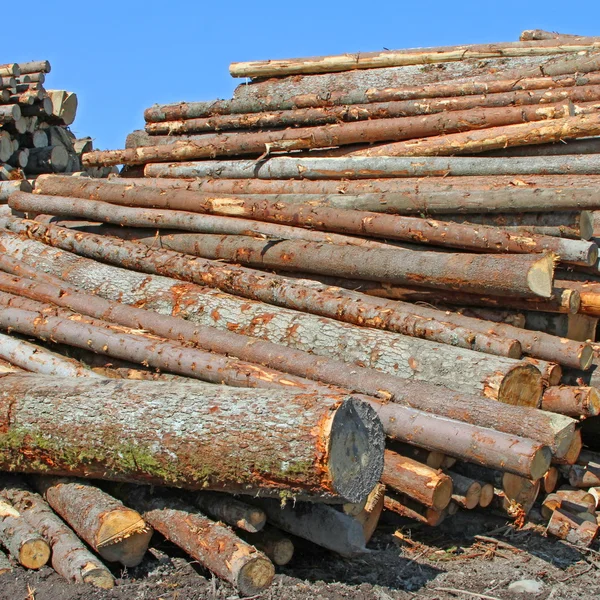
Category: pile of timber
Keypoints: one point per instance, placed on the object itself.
(341, 320)
(34, 128)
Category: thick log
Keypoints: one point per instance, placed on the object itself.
(377, 130)
(572, 401)
(21, 539)
(572, 528)
(519, 491)
(314, 433)
(417, 481)
(410, 509)
(51, 159)
(232, 511)
(115, 532)
(38, 359)
(320, 524)
(213, 545)
(585, 476)
(466, 492)
(64, 105)
(273, 543)
(70, 558)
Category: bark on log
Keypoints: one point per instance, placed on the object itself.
(9, 187)
(21, 539)
(232, 511)
(572, 528)
(51, 159)
(582, 507)
(64, 105)
(70, 558)
(580, 146)
(431, 459)
(34, 66)
(115, 532)
(539, 34)
(273, 543)
(466, 492)
(384, 167)
(9, 112)
(572, 401)
(585, 476)
(417, 481)
(320, 524)
(314, 433)
(214, 546)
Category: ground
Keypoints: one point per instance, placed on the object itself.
(405, 562)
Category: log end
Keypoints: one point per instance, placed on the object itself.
(254, 520)
(551, 480)
(282, 552)
(355, 453)
(540, 462)
(34, 553)
(471, 498)
(541, 275)
(442, 495)
(586, 225)
(487, 495)
(123, 537)
(586, 357)
(97, 576)
(255, 576)
(522, 386)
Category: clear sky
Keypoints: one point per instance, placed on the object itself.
(121, 57)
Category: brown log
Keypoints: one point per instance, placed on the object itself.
(369, 516)
(585, 476)
(487, 495)
(431, 459)
(213, 545)
(70, 558)
(572, 528)
(35, 66)
(315, 433)
(550, 480)
(572, 326)
(417, 481)
(572, 454)
(519, 491)
(64, 105)
(466, 492)
(273, 543)
(21, 539)
(51, 159)
(581, 505)
(572, 401)
(410, 509)
(232, 511)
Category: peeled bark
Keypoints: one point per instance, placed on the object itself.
(572, 528)
(21, 539)
(232, 511)
(70, 558)
(308, 455)
(214, 546)
(572, 401)
(415, 480)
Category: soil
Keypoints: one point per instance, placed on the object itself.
(405, 561)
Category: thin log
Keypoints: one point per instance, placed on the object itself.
(466, 491)
(572, 454)
(550, 480)
(585, 476)
(51, 159)
(572, 401)
(572, 528)
(369, 516)
(273, 543)
(431, 459)
(415, 480)
(232, 511)
(70, 558)
(410, 509)
(487, 495)
(21, 539)
(9, 187)
(213, 545)
(314, 434)
(539, 34)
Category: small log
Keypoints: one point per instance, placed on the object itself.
(466, 492)
(585, 476)
(9, 112)
(70, 558)
(35, 66)
(232, 511)
(369, 516)
(572, 528)
(576, 506)
(586, 456)
(550, 480)
(410, 509)
(273, 543)
(571, 455)
(115, 532)
(519, 491)
(213, 545)
(21, 539)
(320, 524)
(417, 481)
(487, 495)
(431, 459)
(572, 401)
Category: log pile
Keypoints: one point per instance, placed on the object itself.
(325, 317)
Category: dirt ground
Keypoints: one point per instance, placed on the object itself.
(405, 562)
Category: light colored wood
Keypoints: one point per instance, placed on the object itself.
(64, 105)
(369, 516)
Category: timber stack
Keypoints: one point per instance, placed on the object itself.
(418, 327)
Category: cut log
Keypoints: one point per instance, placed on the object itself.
(341, 457)
(9, 112)
(519, 491)
(232, 511)
(9, 187)
(572, 454)
(273, 543)
(213, 545)
(572, 528)
(466, 492)
(369, 516)
(417, 481)
(115, 532)
(64, 105)
(21, 539)
(595, 492)
(572, 326)
(51, 159)
(550, 480)
(35, 66)
(585, 476)
(572, 401)
(431, 459)
(410, 509)
(486, 496)
(583, 506)
(320, 524)
(70, 558)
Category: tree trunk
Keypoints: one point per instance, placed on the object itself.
(115, 532)
(70, 558)
(417, 481)
(466, 491)
(232, 511)
(571, 528)
(273, 543)
(308, 455)
(214, 546)
(357, 167)
(21, 539)
(573, 401)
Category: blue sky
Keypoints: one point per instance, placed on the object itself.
(121, 57)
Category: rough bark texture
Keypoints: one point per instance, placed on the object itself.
(572, 401)
(116, 532)
(572, 528)
(213, 545)
(70, 558)
(307, 456)
(5, 566)
(230, 510)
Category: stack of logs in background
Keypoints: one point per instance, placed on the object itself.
(330, 268)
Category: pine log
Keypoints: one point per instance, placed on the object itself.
(417, 481)
(273, 543)
(583, 506)
(70, 558)
(320, 524)
(572, 454)
(369, 516)
(540, 34)
(9, 187)
(232, 511)
(314, 431)
(520, 491)
(550, 480)
(466, 492)
(572, 401)
(21, 539)
(410, 509)
(572, 528)
(9, 112)
(36, 66)
(431, 459)
(585, 476)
